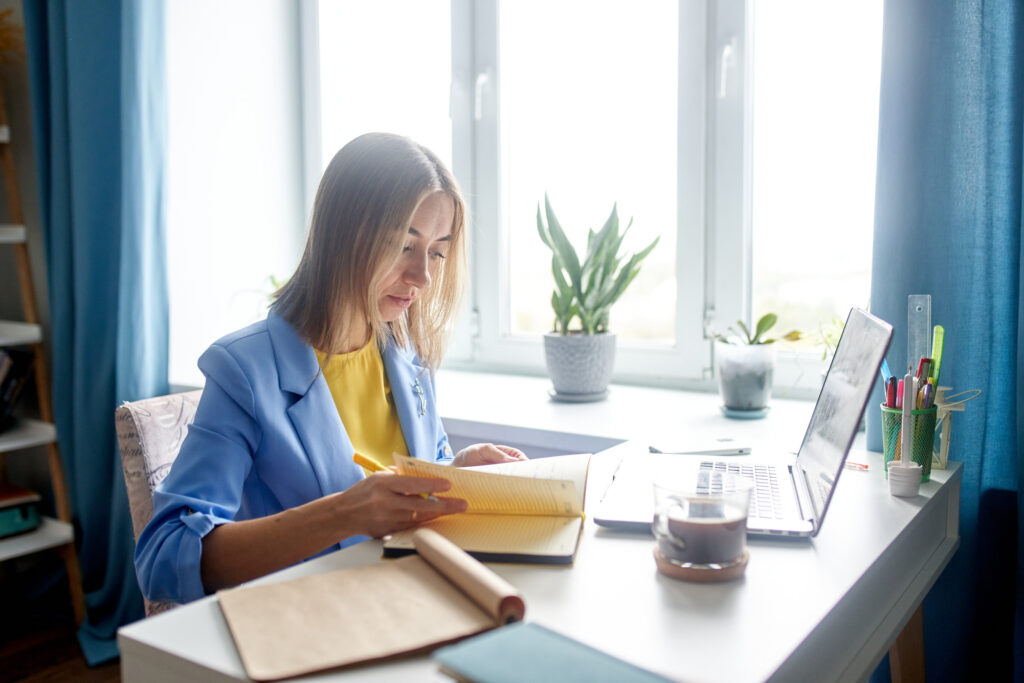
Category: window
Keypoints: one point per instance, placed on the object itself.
(590, 126)
(815, 133)
(379, 74)
(742, 133)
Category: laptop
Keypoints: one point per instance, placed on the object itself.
(790, 496)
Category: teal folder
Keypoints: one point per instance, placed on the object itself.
(530, 652)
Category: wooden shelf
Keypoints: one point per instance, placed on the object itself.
(13, 234)
(26, 433)
(51, 533)
(18, 334)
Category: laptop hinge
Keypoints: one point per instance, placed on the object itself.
(803, 497)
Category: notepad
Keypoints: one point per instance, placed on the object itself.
(529, 511)
(362, 614)
(530, 652)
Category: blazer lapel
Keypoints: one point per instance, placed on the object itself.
(415, 412)
(314, 415)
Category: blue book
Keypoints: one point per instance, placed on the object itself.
(530, 652)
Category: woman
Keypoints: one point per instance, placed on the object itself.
(343, 362)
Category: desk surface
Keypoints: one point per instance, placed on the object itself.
(827, 609)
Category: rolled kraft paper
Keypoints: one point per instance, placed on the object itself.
(495, 595)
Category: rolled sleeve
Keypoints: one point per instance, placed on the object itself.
(205, 484)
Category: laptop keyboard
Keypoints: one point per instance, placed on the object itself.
(765, 499)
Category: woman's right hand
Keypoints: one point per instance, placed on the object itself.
(385, 502)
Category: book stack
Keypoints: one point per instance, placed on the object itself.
(19, 510)
(15, 372)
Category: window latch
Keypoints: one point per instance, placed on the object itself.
(726, 65)
(483, 79)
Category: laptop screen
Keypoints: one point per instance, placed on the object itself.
(841, 402)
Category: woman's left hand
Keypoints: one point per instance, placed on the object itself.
(486, 454)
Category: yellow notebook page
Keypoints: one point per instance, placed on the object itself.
(501, 534)
(523, 488)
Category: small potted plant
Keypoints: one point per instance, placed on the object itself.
(580, 351)
(745, 364)
(828, 339)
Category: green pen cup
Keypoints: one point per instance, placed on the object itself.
(922, 425)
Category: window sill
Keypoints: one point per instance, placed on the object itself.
(482, 407)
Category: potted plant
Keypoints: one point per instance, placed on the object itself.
(580, 358)
(828, 339)
(745, 364)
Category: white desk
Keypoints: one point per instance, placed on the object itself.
(822, 610)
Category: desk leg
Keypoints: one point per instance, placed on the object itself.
(906, 656)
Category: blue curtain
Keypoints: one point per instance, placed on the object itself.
(948, 223)
(98, 89)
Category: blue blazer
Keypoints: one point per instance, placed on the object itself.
(266, 437)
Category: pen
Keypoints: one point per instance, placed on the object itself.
(369, 463)
(899, 394)
(927, 396)
(890, 392)
(731, 450)
(907, 438)
(923, 366)
(374, 466)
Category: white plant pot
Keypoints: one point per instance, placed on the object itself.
(745, 374)
(580, 365)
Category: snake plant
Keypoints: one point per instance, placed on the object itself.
(586, 289)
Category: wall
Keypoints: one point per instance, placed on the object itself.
(234, 197)
(235, 203)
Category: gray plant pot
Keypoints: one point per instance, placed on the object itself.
(580, 365)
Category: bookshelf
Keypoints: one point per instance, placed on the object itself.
(28, 437)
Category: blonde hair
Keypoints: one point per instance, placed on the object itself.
(361, 215)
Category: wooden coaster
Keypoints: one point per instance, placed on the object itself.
(702, 574)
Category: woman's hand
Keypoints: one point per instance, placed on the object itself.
(380, 504)
(385, 502)
(486, 454)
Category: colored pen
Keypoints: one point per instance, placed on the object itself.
(368, 463)
(938, 337)
(374, 466)
(890, 392)
(923, 366)
(899, 394)
(927, 396)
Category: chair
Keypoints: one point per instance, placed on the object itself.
(149, 434)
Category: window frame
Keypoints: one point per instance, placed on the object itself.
(707, 190)
(713, 245)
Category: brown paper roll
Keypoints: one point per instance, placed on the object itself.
(495, 595)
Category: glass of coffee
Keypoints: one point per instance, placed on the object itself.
(700, 526)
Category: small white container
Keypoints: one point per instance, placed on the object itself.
(904, 481)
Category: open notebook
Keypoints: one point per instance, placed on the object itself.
(530, 511)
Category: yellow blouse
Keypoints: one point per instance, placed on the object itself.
(362, 395)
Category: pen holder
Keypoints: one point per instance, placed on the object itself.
(923, 429)
(946, 406)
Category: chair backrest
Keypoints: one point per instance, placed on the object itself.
(149, 434)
